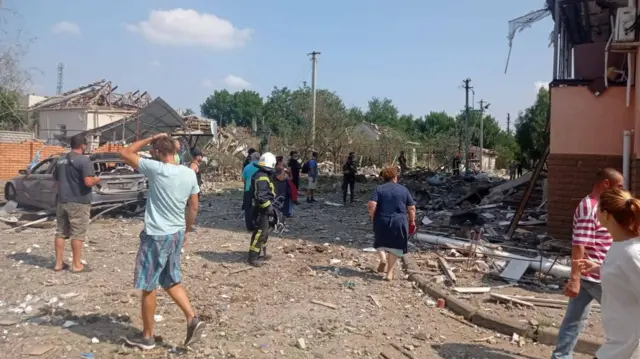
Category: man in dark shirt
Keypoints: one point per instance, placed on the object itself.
(349, 172)
(247, 159)
(74, 176)
(402, 161)
(294, 167)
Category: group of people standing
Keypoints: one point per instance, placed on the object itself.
(170, 213)
(605, 268)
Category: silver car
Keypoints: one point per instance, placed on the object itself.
(119, 183)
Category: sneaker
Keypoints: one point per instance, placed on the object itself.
(194, 331)
(139, 341)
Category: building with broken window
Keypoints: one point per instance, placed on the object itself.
(594, 108)
(84, 108)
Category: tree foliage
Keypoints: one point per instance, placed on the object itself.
(531, 134)
(241, 108)
(283, 118)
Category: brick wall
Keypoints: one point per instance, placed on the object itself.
(17, 156)
(571, 178)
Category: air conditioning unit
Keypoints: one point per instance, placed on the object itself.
(625, 18)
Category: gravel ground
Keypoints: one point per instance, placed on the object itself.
(259, 313)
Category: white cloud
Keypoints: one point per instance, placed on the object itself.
(231, 82)
(155, 63)
(539, 84)
(66, 27)
(236, 82)
(186, 27)
(207, 83)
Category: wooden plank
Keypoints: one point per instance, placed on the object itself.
(324, 304)
(504, 298)
(472, 290)
(527, 193)
(447, 269)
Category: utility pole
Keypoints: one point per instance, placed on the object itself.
(314, 62)
(483, 106)
(466, 123)
(509, 124)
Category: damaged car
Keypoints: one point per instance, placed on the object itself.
(119, 183)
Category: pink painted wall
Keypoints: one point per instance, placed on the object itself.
(582, 123)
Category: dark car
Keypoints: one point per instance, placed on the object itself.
(119, 183)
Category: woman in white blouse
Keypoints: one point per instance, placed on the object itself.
(619, 212)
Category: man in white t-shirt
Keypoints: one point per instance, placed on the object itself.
(590, 241)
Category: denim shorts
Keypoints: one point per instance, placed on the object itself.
(158, 261)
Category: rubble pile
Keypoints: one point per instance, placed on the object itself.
(471, 215)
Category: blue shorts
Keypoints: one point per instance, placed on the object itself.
(158, 261)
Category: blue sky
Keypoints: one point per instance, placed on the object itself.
(414, 52)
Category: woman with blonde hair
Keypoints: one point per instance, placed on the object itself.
(619, 212)
(393, 212)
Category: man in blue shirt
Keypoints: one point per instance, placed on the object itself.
(172, 188)
(312, 183)
(247, 173)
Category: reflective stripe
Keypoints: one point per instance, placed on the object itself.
(254, 241)
(266, 204)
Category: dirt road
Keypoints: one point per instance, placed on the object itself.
(267, 312)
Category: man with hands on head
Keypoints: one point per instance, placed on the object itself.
(171, 188)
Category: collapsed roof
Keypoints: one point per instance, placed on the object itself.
(98, 95)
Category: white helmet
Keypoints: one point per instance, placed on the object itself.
(268, 161)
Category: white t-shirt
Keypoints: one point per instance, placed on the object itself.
(620, 275)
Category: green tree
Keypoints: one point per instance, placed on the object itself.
(382, 112)
(9, 110)
(247, 107)
(188, 112)
(531, 134)
(219, 106)
(436, 123)
(239, 108)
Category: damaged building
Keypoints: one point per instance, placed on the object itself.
(594, 106)
(84, 108)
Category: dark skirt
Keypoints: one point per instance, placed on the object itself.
(391, 232)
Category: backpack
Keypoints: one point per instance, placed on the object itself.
(305, 168)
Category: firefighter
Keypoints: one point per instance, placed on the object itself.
(262, 207)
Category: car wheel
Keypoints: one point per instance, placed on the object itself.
(10, 192)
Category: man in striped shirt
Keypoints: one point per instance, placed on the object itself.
(590, 241)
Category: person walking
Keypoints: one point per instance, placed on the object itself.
(590, 241)
(312, 177)
(519, 169)
(619, 213)
(74, 176)
(393, 212)
(172, 188)
(349, 171)
(247, 174)
(263, 192)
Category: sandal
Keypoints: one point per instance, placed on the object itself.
(65, 266)
(84, 269)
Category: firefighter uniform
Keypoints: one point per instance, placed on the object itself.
(262, 209)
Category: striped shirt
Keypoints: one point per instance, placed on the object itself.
(588, 232)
